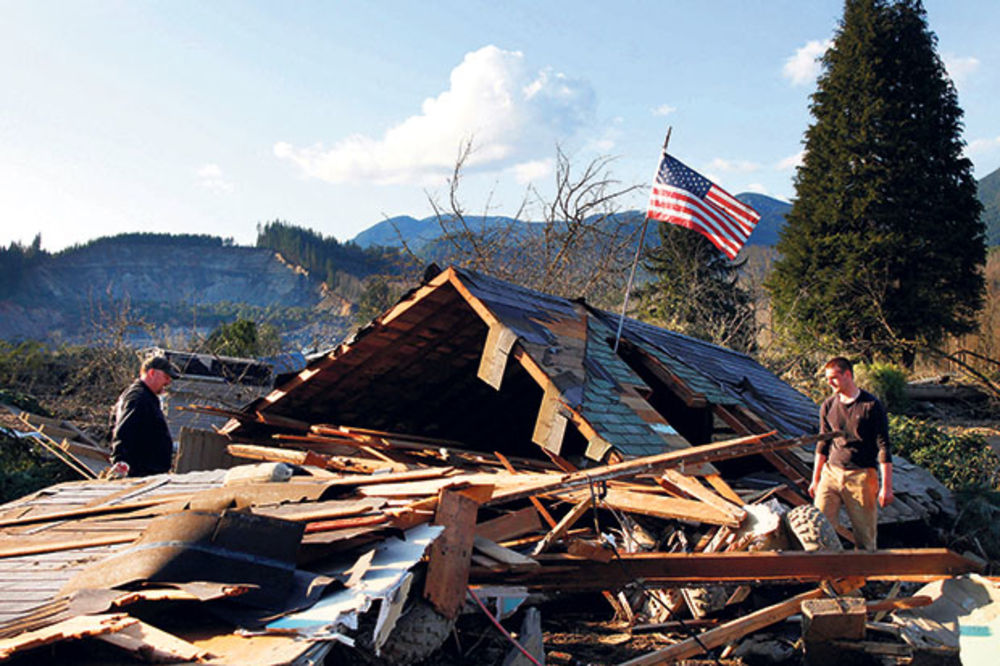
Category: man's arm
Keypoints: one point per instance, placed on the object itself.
(822, 449)
(818, 463)
(885, 494)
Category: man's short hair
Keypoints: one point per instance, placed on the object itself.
(840, 363)
(159, 362)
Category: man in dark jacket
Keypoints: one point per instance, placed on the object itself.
(140, 437)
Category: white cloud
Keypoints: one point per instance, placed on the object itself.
(959, 68)
(730, 166)
(210, 177)
(980, 146)
(664, 110)
(511, 113)
(803, 67)
(791, 162)
(527, 172)
(757, 187)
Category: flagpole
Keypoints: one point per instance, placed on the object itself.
(638, 250)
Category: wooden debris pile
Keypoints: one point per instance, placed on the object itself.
(376, 532)
(64, 441)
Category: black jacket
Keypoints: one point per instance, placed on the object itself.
(140, 436)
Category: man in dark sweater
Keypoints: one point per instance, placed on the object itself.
(845, 470)
(140, 437)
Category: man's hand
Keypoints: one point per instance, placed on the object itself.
(812, 488)
(885, 496)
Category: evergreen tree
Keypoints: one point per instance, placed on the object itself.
(881, 250)
(243, 338)
(695, 291)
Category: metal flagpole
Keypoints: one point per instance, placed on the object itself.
(638, 250)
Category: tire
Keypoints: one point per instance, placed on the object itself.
(418, 633)
(811, 529)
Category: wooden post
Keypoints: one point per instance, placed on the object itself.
(451, 553)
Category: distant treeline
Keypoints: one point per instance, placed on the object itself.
(325, 257)
(15, 259)
(151, 238)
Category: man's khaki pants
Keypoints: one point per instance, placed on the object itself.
(857, 490)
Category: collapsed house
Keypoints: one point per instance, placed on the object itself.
(477, 441)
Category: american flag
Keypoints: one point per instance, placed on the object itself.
(683, 196)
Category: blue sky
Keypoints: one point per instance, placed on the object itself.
(210, 117)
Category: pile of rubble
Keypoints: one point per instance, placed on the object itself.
(516, 452)
(257, 565)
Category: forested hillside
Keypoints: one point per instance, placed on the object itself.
(326, 257)
(163, 284)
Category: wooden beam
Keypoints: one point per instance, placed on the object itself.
(724, 489)
(659, 506)
(734, 448)
(74, 543)
(567, 521)
(726, 633)
(694, 488)
(86, 512)
(543, 380)
(449, 556)
(510, 525)
(535, 502)
(681, 569)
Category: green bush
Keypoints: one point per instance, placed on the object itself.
(967, 465)
(960, 462)
(885, 380)
(977, 527)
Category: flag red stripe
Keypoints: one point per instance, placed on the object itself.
(737, 207)
(696, 215)
(723, 222)
(734, 208)
(687, 223)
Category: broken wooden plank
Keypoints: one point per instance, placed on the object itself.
(695, 489)
(153, 644)
(449, 555)
(550, 426)
(659, 506)
(321, 510)
(901, 603)
(537, 503)
(511, 558)
(679, 569)
(590, 550)
(735, 448)
(724, 489)
(510, 525)
(726, 633)
(560, 529)
(81, 626)
(85, 512)
(73, 543)
(493, 361)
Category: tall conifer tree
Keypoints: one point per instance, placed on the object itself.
(695, 290)
(882, 247)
